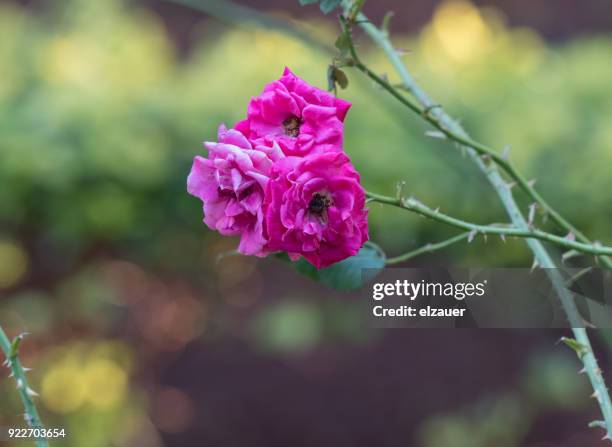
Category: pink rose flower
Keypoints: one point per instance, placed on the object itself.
(301, 118)
(231, 183)
(315, 207)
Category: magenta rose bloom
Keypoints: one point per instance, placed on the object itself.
(315, 207)
(301, 118)
(231, 183)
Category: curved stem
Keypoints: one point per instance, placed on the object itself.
(11, 352)
(414, 205)
(429, 248)
(451, 128)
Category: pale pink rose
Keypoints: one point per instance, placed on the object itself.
(231, 183)
(301, 118)
(315, 207)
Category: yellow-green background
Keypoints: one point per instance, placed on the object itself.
(103, 256)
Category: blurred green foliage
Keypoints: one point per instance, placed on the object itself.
(100, 119)
(99, 122)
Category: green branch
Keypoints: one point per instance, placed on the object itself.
(415, 206)
(433, 114)
(235, 13)
(429, 248)
(18, 372)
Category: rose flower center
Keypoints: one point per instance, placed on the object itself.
(292, 126)
(318, 204)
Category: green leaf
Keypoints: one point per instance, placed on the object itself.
(348, 274)
(308, 2)
(580, 349)
(341, 78)
(328, 6)
(15, 344)
(336, 76)
(343, 44)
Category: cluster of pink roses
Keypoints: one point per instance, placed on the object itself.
(281, 180)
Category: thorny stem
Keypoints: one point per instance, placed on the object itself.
(11, 352)
(432, 113)
(414, 205)
(451, 128)
(429, 248)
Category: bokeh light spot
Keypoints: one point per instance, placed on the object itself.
(63, 388)
(461, 30)
(13, 263)
(106, 383)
